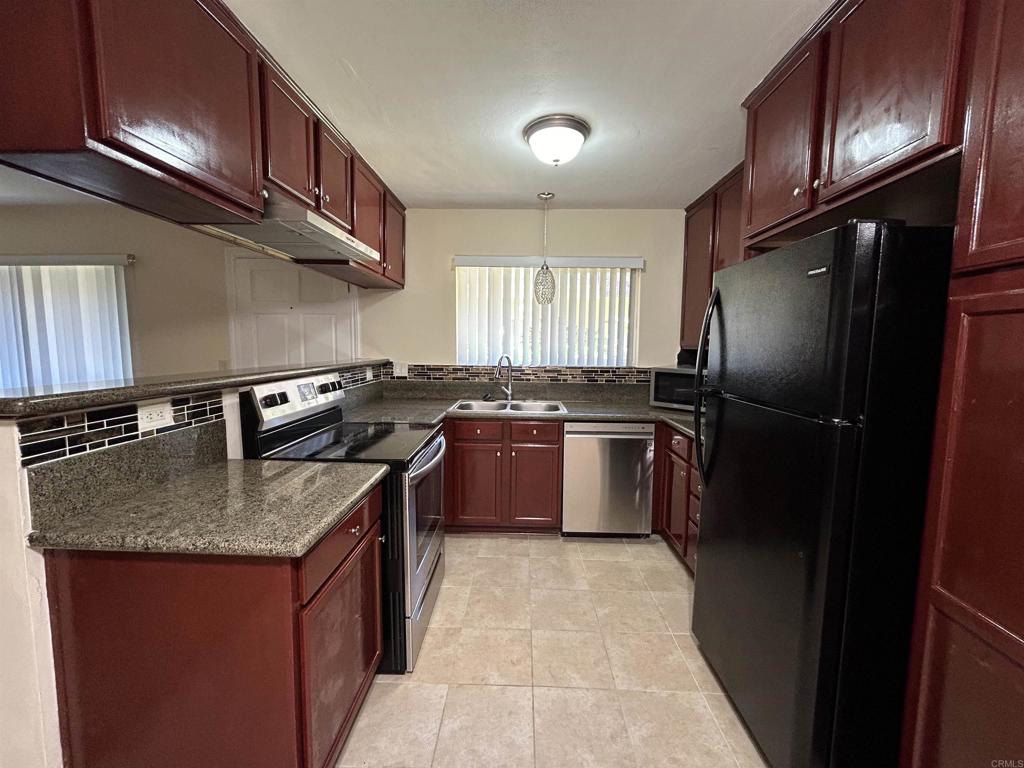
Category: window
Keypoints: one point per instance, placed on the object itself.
(592, 320)
(62, 323)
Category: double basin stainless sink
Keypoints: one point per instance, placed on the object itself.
(503, 406)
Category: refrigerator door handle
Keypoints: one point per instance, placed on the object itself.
(698, 385)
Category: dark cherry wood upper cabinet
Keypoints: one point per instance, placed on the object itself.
(728, 247)
(782, 133)
(966, 695)
(334, 176)
(394, 239)
(289, 130)
(478, 484)
(990, 229)
(341, 647)
(890, 86)
(154, 105)
(368, 212)
(535, 485)
(697, 260)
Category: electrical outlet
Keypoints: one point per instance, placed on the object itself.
(153, 415)
(369, 373)
(401, 370)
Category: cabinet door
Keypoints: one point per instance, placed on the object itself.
(478, 484)
(678, 500)
(176, 85)
(690, 548)
(728, 247)
(697, 258)
(782, 132)
(335, 177)
(889, 98)
(535, 485)
(394, 240)
(368, 212)
(341, 644)
(967, 680)
(990, 229)
(289, 126)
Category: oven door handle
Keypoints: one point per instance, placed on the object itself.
(416, 475)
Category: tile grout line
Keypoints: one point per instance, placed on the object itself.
(440, 722)
(721, 730)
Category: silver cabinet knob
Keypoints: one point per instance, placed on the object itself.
(816, 184)
(316, 190)
(499, 453)
(513, 454)
(535, 431)
(264, 193)
(327, 198)
(478, 431)
(796, 192)
(356, 531)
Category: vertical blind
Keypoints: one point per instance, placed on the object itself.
(591, 322)
(62, 325)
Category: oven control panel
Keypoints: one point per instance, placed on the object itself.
(280, 401)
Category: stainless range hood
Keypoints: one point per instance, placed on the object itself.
(289, 228)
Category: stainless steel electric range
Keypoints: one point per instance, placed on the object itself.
(302, 420)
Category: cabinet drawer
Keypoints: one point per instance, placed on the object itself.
(464, 429)
(694, 510)
(536, 431)
(680, 445)
(696, 486)
(332, 549)
(690, 553)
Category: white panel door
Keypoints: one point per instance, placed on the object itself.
(284, 314)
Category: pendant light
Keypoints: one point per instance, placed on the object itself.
(544, 282)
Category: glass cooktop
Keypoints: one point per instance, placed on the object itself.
(382, 442)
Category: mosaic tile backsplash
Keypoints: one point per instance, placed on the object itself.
(546, 373)
(57, 437)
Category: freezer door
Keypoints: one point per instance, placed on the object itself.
(770, 578)
(792, 326)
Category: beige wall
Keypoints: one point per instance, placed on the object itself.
(178, 308)
(417, 325)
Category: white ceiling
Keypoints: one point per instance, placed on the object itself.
(435, 93)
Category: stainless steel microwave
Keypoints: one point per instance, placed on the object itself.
(673, 387)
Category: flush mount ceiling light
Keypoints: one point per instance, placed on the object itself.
(556, 139)
(544, 282)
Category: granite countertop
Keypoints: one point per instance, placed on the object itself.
(432, 411)
(39, 401)
(234, 507)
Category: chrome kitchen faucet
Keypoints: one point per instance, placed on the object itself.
(497, 374)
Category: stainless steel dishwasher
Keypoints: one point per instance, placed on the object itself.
(608, 478)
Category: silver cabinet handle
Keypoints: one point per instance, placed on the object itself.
(356, 531)
(478, 431)
(264, 193)
(816, 184)
(513, 454)
(382, 539)
(535, 431)
(327, 198)
(796, 192)
(499, 453)
(316, 190)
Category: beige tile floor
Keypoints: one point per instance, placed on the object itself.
(551, 653)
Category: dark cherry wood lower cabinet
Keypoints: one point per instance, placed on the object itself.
(676, 512)
(966, 691)
(535, 484)
(169, 660)
(504, 474)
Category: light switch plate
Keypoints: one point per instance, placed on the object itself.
(156, 414)
(401, 369)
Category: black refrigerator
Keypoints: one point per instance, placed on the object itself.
(818, 404)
